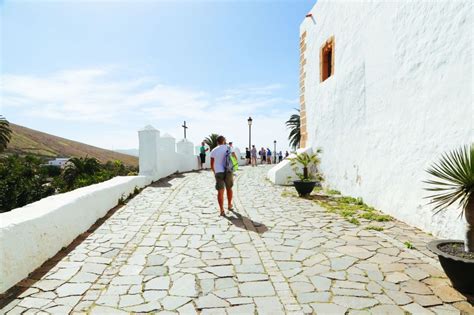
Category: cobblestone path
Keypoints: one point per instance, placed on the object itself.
(167, 251)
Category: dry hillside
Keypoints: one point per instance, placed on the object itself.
(25, 140)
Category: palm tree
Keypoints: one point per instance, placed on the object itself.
(78, 166)
(5, 133)
(211, 141)
(295, 133)
(453, 183)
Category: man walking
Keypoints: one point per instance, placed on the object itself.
(220, 160)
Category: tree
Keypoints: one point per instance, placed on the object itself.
(22, 181)
(211, 141)
(79, 167)
(5, 133)
(295, 132)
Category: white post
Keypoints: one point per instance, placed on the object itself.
(185, 147)
(148, 151)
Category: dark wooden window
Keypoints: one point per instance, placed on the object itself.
(326, 64)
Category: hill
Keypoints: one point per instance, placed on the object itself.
(25, 140)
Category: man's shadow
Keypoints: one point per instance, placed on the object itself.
(245, 223)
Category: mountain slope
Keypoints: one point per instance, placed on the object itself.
(25, 140)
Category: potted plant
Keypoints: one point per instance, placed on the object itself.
(310, 177)
(453, 184)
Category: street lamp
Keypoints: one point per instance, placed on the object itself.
(250, 132)
(274, 151)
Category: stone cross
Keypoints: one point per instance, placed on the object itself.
(184, 127)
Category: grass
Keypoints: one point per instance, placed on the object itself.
(374, 228)
(350, 208)
(409, 245)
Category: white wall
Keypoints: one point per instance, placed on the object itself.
(161, 156)
(32, 234)
(401, 95)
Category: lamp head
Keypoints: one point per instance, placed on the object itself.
(249, 121)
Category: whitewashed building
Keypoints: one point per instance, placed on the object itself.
(60, 162)
(385, 88)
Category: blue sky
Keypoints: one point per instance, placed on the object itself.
(97, 72)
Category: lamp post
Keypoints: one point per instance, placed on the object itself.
(250, 131)
(274, 151)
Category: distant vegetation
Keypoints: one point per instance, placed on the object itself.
(25, 141)
(27, 179)
(5, 133)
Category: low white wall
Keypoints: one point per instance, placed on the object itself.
(282, 173)
(32, 234)
(161, 156)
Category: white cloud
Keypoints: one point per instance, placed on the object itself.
(97, 96)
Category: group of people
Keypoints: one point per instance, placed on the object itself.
(264, 154)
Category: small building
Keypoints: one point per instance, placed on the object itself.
(60, 162)
(386, 87)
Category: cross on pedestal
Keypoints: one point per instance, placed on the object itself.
(184, 127)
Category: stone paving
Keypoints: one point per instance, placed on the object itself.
(167, 251)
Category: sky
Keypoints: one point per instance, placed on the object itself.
(99, 71)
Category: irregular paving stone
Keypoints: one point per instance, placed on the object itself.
(399, 297)
(210, 301)
(260, 288)
(387, 310)
(173, 302)
(354, 302)
(158, 283)
(447, 293)
(313, 297)
(72, 289)
(329, 308)
(184, 286)
(396, 277)
(426, 300)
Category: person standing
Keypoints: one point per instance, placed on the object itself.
(280, 157)
(264, 155)
(223, 173)
(253, 156)
(286, 154)
(269, 156)
(247, 155)
(202, 154)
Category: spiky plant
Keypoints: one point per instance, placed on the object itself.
(308, 162)
(211, 141)
(453, 183)
(295, 132)
(5, 133)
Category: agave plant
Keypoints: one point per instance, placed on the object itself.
(309, 162)
(453, 183)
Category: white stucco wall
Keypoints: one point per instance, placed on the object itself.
(161, 156)
(32, 234)
(400, 96)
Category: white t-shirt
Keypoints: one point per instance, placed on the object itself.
(219, 154)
